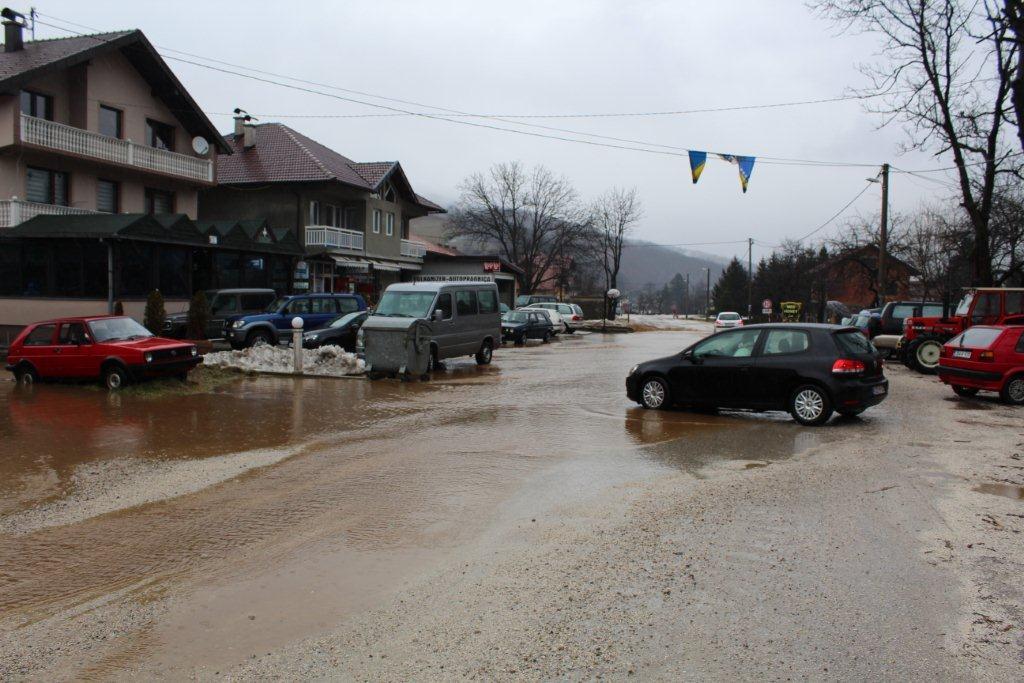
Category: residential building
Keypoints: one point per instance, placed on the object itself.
(851, 277)
(352, 218)
(102, 155)
(447, 264)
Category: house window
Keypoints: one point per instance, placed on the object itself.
(405, 227)
(159, 135)
(350, 218)
(108, 196)
(37, 104)
(314, 213)
(376, 221)
(390, 224)
(46, 187)
(110, 122)
(159, 201)
(388, 193)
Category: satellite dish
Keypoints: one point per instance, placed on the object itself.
(200, 146)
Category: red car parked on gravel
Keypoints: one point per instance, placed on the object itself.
(115, 349)
(986, 358)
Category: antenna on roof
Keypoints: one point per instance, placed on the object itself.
(32, 21)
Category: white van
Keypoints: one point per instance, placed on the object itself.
(463, 317)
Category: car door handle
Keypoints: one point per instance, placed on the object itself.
(58, 350)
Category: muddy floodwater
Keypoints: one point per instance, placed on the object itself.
(294, 503)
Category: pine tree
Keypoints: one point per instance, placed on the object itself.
(155, 315)
(198, 316)
(730, 292)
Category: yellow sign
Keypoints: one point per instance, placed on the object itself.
(791, 310)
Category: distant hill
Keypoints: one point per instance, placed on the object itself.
(643, 262)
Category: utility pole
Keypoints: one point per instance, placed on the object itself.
(883, 235)
(686, 299)
(750, 277)
(707, 295)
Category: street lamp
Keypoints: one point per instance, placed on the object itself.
(707, 294)
(612, 294)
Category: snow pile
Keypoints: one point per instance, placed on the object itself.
(643, 323)
(325, 361)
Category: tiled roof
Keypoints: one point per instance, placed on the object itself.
(282, 154)
(433, 247)
(41, 53)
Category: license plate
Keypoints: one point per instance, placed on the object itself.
(879, 390)
(962, 354)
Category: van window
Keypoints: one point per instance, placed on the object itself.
(347, 304)
(323, 304)
(932, 311)
(41, 336)
(465, 302)
(255, 302)
(444, 304)
(488, 299)
(1014, 303)
(903, 311)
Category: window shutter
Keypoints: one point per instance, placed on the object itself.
(161, 202)
(38, 186)
(106, 196)
(60, 189)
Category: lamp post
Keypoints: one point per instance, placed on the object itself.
(707, 293)
(612, 294)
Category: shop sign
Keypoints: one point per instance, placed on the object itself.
(454, 278)
(301, 270)
(492, 266)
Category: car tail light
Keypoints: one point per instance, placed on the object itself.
(739, 323)
(987, 355)
(846, 366)
(576, 317)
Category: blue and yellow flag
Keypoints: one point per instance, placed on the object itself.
(746, 165)
(697, 160)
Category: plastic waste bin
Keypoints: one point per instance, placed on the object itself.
(398, 351)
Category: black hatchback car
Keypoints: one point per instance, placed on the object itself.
(806, 369)
(342, 331)
(519, 325)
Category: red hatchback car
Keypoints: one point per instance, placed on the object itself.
(115, 349)
(986, 358)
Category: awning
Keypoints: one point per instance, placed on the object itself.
(351, 264)
(381, 265)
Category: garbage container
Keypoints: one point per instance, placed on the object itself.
(397, 351)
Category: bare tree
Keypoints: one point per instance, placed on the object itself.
(1013, 16)
(615, 214)
(945, 75)
(533, 218)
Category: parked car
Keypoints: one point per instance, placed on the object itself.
(463, 317)
(224, 304)
(526, 323)
(809, 370)
(316, 310)
(115, 349)
(503, 309)
(569, 313)
(986, 358)
(885, 333)
(728, 319)
(524, 300)
(342, 331)
(923, 337)
(557, 323)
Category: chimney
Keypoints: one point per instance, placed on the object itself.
(248, 134)
(13, 24)
(240, 117)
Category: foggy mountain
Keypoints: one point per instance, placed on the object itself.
(644, 263)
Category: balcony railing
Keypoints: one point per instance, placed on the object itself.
(333, 238)
(15, 211)
(61, 138)
(414, 249)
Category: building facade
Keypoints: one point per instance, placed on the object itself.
(352, 218)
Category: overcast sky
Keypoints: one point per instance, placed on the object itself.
(561, 57)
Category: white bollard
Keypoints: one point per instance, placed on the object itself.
(297, 343)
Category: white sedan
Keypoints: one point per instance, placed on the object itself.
(727, 319)
(570, 313)
(556, 320)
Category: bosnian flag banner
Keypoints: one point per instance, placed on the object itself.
(744, 163)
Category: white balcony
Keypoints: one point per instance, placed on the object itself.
(413, 249)
(333, 238)
(71, 140)
(15, 211)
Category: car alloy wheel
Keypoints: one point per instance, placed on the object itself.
(810, 406)
(114, 378)
(1013, 392)
(654, 393)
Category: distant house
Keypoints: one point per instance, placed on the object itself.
(447, 264)
(851, 277)
(352, 218)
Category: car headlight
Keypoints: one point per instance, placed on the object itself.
(195, 351)
(313, 337)
(148, 357)
(633, 369)
(238, 323)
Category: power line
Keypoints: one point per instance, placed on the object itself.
(837, 214)
(629, 144)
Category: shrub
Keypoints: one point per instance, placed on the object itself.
(118, 308)
(155, 315)
(198, 316)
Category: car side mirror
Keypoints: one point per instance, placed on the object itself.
(438, 315)
(695, 359)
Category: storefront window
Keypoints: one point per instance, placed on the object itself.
(280, 272)
(254, 273)
(33, 271)
(174, 280)
(229, 273)
(10, 269)
(67, 261)
(135, 262)
(94, 270)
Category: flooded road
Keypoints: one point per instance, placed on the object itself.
(294, 504)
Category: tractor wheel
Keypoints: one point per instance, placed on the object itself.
(924, 355)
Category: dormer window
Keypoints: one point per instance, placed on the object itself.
(37, 104)
(387, 193)
(110, 122)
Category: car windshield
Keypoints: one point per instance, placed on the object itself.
(728, 316)
(854, 342)
(117, 329)
(522, 299)
(965, 304)
(405, 304)
(976, 338)
(275, 305)
(345, 319)
(516, 317)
